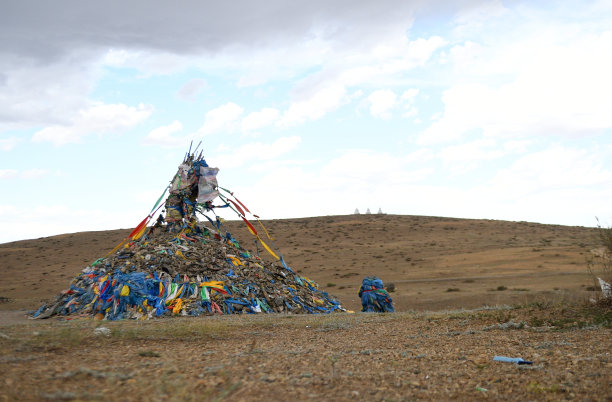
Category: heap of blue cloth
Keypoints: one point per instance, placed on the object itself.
(374, 297)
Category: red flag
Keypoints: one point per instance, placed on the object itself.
(139, 227)
(250, 226)
(237, 206)
(243, 206)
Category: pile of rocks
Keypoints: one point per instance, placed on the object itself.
(186, 267)
(190, 273)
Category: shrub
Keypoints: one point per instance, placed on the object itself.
(605, 236)
(599, 263)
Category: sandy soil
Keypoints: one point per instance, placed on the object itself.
(425, 351)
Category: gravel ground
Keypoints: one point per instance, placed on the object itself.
(401, 356)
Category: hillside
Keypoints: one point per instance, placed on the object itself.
(472, 267)
(435, 263)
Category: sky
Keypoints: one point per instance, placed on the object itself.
(468, 109)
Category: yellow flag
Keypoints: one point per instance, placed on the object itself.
(235, 261)
(139, 234)
(178, 306)
(213, 284)
(268, 248)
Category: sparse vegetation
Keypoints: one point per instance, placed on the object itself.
(605, 236)
(148, 353)
(599, 263)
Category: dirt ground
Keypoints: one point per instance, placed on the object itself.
(401, 356)
(455, 281)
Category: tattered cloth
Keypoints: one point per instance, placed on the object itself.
(374, 298)
(187, 268)
(187, 274)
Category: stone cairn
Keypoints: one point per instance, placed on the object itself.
(181, 265)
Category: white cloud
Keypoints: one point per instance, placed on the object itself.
(256, 120)
(462, 158)
(407, 99)
(32, 174)
(163, 136)
(466, 55)
(325, 91)
(116, 57)
(8, 173)
(533, 188)
(565, 93)
(482, 149)
(35, 94)
(552, 80)
(381, 103)
(376, 170)
(551, 185)
(7, 144)
(191, 89)
(26, 222)
(221, 119)
(409, 95)
(554, 168)
(150, 62)
(51, 95)
(521, 76)
(98, 118)
(419, 51)
(354, 178)
(366, 172)
(258, 66)
(364, 68)
(411, 112)
(420, 155)
(471, 18)
(197, 27)
(315, 106)
(517, 146)
(256, 151)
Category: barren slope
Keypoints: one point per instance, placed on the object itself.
(435, 263)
